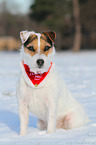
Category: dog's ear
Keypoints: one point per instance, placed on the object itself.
(51, 35)
(24, 35)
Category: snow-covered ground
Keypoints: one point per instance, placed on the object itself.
(79, 72)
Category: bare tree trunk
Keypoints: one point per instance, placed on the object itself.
(77, 39)
(59, 41)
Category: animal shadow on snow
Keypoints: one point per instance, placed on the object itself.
(11, 120)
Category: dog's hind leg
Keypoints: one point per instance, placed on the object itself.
(64, 122)
(72, 120)
(41, 125)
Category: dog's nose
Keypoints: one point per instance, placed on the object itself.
(40, 62)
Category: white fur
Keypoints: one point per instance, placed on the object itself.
(39, 35)
(50, 101)
(24, 35)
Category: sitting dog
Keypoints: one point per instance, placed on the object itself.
(41, 90)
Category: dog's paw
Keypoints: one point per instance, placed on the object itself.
(22, 133)
(49, 131)
(41, 125)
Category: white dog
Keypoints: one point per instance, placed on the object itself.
(41, 90)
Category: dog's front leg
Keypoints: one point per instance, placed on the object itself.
(24, 117)
(51, 118)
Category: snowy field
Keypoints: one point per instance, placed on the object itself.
(79, 72)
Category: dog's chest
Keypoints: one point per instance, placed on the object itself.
(36, 103)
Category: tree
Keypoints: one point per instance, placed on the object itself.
(50, 12)
(76, 13)
(54, 15)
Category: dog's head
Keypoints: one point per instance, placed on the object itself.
(38, 49)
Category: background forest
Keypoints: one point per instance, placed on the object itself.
(73, 20)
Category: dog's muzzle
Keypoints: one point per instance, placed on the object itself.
(40, 62)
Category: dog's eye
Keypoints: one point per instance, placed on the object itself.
(31, 48)
(47, 48)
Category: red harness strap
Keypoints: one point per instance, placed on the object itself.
(36, 79)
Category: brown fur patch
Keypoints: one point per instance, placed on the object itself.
(43, 43)
(33, 41)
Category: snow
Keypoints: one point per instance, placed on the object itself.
(78, 71)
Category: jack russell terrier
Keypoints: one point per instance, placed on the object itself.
(41, 90)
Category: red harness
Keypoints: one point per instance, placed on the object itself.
(36, 79)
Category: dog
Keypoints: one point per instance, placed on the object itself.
(40, 89)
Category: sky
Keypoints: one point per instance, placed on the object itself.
(18, 6)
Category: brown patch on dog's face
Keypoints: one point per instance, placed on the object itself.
(31, 45)
(45, 47)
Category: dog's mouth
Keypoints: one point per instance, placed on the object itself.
(40, 67)
(37, 70)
